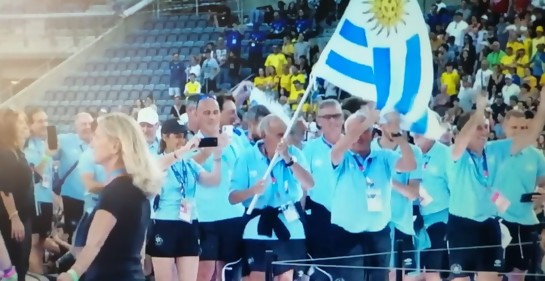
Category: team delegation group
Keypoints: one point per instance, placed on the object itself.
(127, 194)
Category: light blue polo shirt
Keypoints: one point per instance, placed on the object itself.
(518, 174)
(213, 201)
(70, 149)
(282, 188)
(402, 207)
(154, 147)
(171, 195)
(470, 182)
(434, 183)
(87, 165)
(35, 152)
(355, 178)
(318, 154)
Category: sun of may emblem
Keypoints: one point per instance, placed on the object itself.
(386, 15)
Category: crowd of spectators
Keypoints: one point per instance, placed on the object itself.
(495, 46)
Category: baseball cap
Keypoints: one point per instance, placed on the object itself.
(173, 126)
(539, 28)
(148, 115)
(508, 76)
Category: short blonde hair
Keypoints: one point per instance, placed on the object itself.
(138, 160)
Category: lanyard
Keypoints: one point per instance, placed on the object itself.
(181, 178)
(484, 164)
(273, 179)
(426, 161)
(363, 168)
(327, 143)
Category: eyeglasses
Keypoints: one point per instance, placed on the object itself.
(331, 116)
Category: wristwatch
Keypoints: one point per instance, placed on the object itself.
(292, 161)
(396, 135)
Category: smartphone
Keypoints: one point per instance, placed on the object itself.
(227, 129)
(527, 197)
(52, 141)
(208, 142)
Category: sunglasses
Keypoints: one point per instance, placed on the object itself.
(205, 97)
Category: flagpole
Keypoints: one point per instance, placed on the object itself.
(288, 129)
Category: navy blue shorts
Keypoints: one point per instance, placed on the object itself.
(173, 239)
(284, 250)
(436, 257)
(317, 229)
(372, 249)
(222, 240)
(520, 253)
(474, 246)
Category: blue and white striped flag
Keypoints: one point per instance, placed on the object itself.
(381, 52)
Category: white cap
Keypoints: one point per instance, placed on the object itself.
(508, 76)
(148, 115)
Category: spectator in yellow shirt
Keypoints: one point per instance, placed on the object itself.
(192, 86)
(508, 60)
(521, 62)
(285, 81)
(529, 79)
(450, 79)
(272, 81)
(539, 39)
(287, 47)
(260, 80)
(296, 75)
(296, 94)
(514, 43)
(276, 59)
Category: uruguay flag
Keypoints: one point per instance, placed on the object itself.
(381, 52)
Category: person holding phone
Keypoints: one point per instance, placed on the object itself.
(482, 178)
(517, 178)
(174, 236)
(220, 223)
(16, 190)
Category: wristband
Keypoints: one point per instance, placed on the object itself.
(14, 214)
(10, 273)
(47, 158)
(73, 275)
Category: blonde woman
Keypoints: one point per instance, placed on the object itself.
(115, 239)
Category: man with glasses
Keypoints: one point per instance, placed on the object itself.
(317, 152)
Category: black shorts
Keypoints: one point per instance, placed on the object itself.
(173, 239)
(436, 257)
(43, 221)
(409, 251)
(222, 240)
(520, 252)
(483, 240)
(284, 250)
(371, 249)
(318, 226)
(73, 211)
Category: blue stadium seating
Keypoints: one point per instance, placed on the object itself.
(135, 69)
